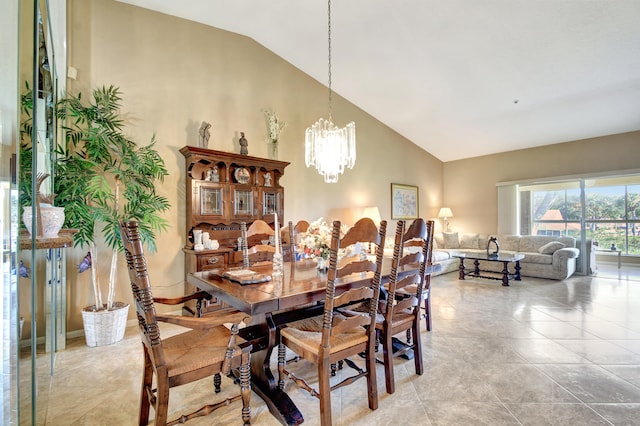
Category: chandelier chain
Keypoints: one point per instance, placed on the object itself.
(329, 44)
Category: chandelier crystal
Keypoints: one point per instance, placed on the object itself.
(327, 147)
(330, 148)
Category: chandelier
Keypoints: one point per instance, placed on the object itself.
(327, 147)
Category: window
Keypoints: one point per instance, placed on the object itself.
(551, 209)
(612, 213)
(611, 209)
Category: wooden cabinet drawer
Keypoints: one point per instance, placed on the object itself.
(211, 261)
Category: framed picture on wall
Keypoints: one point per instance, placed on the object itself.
(404, 201)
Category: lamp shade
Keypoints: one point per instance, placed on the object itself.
(445, 212)
(372, 213)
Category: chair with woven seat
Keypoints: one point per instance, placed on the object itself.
(207, 348)
(301, 226)
(339, 334)
(257, 254)
(259, 231)
(401, 312)
(290, 236)
(426, 293)
(199, 296)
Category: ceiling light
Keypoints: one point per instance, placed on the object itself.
(327, 147)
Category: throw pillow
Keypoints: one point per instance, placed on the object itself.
(451, 240)
(551, 247)
(469, 241)
(438, 239)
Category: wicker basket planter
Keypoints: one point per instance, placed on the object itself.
(104, 327)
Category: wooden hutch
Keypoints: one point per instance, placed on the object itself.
(223, 190)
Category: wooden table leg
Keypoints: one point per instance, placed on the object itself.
(505, 274)
(517, 278)
(461, 269)
(262, 379)
(476, 269)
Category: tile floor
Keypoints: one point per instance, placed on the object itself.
(536, 353)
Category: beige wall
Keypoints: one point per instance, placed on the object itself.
(470, 185)
(174, 74)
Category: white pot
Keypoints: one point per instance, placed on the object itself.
(52, 220)
(103, 328)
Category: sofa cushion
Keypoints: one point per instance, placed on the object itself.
(450, 240)
(509, 242)
(531, 243)
(438, 239)
(435, 244)
(551, 247)
(468, 241)
(483, 239)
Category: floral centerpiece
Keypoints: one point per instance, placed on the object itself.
(315, 244)
(316, 241)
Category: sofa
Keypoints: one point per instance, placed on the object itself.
(548, 257)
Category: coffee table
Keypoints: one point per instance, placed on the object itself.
(505, 275)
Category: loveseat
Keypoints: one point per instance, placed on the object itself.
(545, 256)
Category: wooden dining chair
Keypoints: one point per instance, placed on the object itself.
(290, 236)
(401, 312)
(284, 234)
(199, 296)
(337, 335)
(286, 237)
(259, 231)
(257, 254)
(208, 348)
(426, 288)
(301, 226)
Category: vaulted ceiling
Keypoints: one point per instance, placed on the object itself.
(459, 78)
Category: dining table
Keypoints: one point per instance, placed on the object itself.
(298, 293)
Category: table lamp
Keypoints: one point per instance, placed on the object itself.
(372, 213)
(445, 213)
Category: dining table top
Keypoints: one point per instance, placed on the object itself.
(300, 284)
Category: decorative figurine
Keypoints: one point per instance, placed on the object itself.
(212, 175)
(243, 145)
(493, 253)
(204, 134)
(267, 179)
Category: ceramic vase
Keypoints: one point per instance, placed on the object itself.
(197, 240)
(322, 264)
(52, 220)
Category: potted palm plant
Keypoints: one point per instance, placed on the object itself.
(101, 177)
